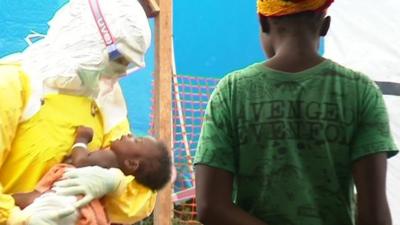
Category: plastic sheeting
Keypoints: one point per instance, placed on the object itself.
(364, 36)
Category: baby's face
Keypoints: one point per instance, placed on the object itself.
(134, 147)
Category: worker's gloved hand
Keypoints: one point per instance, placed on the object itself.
(48, 209)
(93, 182)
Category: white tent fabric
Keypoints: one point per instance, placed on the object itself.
(364, 36)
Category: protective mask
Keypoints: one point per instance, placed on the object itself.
(89, 78)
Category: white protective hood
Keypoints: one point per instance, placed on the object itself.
(74, 40)
(365, 36)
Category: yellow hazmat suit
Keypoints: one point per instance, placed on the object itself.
(29, 148)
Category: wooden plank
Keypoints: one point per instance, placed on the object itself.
(163, 99)
(150, 7)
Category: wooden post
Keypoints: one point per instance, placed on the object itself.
(163, 99)
(150, 7)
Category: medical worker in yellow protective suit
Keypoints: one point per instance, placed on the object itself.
(68, 79)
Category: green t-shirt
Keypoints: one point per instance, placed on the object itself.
(290, 139)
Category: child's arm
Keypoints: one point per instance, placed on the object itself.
(369, 175)
(214, 199)
(80, 154)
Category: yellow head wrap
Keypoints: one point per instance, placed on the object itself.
(287, 7)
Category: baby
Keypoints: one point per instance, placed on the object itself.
(144, 158)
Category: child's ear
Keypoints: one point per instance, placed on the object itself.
(326, 23)
(132, 164)
(264, 23)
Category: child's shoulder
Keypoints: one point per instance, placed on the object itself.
(246, 72)
(349, 74)
(240, 78)
(250, 72)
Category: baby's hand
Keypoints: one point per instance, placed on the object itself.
(84, 134)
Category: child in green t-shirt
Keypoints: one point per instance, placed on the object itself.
(284, 141)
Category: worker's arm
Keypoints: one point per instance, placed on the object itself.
(214, 199)
(370, 178)
(14, 92)
(7, 206)
(14, 95)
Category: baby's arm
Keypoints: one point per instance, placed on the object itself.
(22, 200)
(80, 154)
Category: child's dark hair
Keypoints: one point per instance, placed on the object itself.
(156, 172)
(310, 17)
